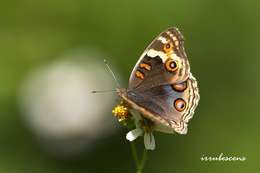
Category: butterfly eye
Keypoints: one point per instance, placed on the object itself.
(171, 65)
(179, 104)
(168, 47)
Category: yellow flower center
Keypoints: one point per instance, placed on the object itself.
(121, 112)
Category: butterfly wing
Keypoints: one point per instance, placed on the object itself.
(163, 62)
(172, 105)
(161, 86)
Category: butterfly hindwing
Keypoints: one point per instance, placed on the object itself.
(172, 105)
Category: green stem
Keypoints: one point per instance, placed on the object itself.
(134, 154)
(139, 165)
(143, 161)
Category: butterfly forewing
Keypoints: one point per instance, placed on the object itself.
(166, 52)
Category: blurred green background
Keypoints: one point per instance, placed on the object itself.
(222, 44)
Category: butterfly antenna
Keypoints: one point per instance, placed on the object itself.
(111, 72)
(114, 77)
(103, 91)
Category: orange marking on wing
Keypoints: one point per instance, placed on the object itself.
(139, 74)
(145, 66)
(171, 65)
(168, 47)
(179, 104)
(180, 87)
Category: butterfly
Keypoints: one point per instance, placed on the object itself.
(161, 86)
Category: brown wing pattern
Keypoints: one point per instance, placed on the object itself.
(163, 52)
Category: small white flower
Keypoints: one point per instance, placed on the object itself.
(149, 141)
(133, 134)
